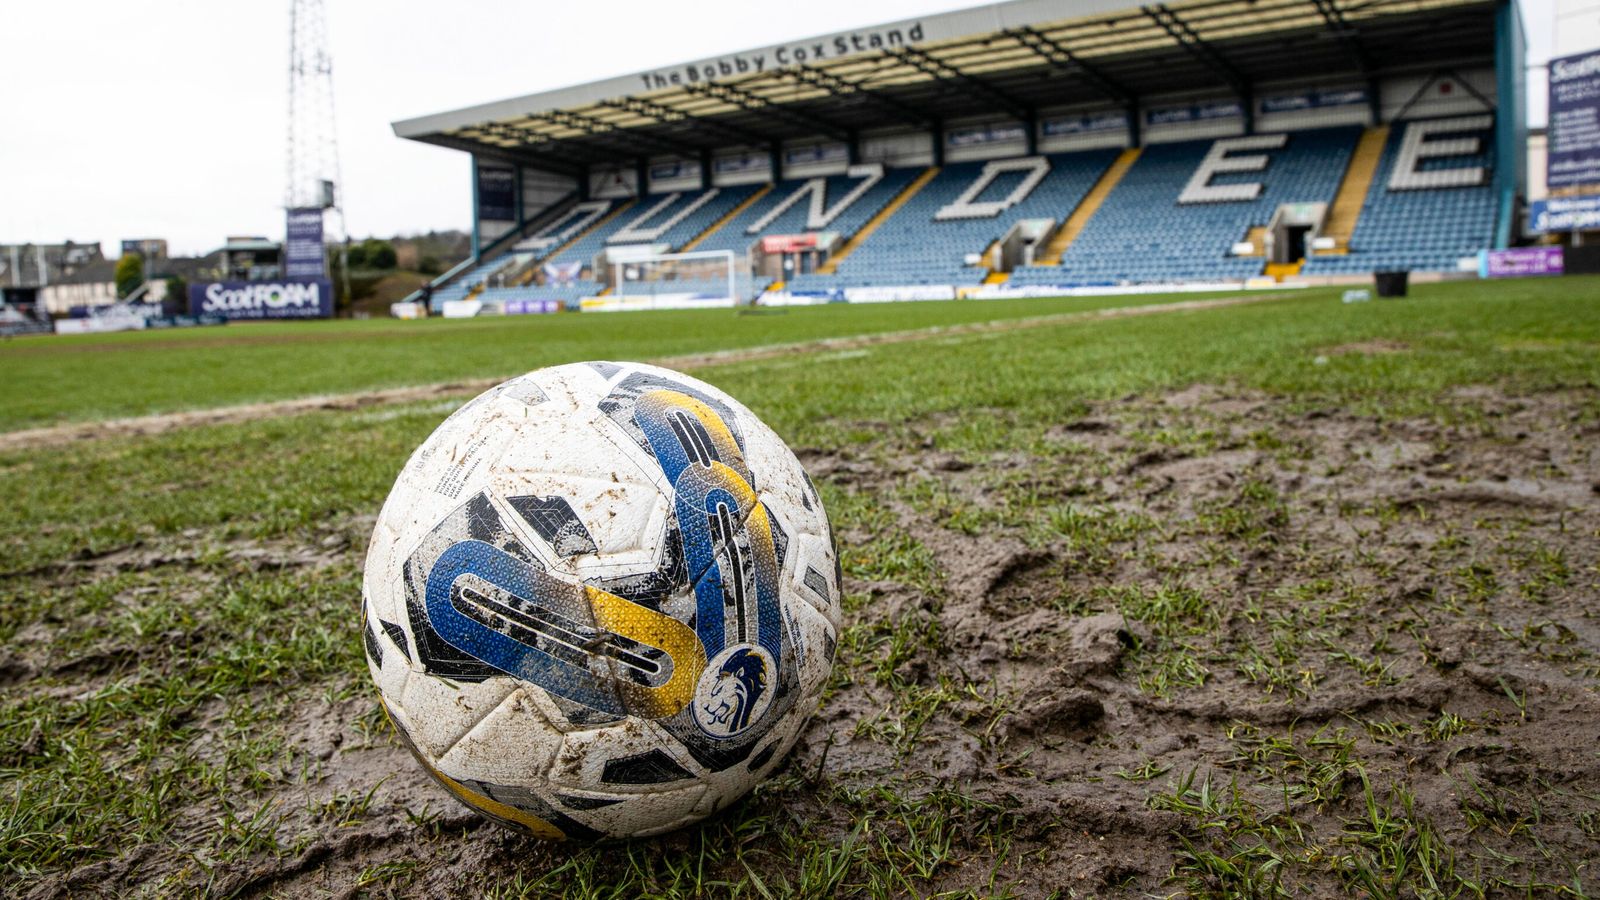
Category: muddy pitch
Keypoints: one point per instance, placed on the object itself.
(1208, 627)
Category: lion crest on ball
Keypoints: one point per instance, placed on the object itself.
(736, 692)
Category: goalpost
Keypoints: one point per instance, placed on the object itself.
(679, 278)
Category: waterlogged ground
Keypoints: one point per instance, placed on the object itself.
(1315, 616)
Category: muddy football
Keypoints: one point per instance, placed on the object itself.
(601, 601)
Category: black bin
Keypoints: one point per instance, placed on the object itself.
(1391, 284)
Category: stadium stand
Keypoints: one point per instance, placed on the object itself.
(1427, 228)
(1144, 234)
(914, 247)
(737, 235)
(1087, 148)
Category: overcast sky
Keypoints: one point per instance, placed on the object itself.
(165, 118)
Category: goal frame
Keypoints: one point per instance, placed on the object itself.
(728, 256)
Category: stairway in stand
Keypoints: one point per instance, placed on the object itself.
(1073, 226)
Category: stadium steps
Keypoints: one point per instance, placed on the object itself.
(727, 217)
(883, 215)
(1280, 271)
(996, 278)
(1073, 226)
(1257, 239)
(1346, 207)
(597, 224)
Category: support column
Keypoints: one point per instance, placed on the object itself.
(775, 153)
(1135, 124)
(1510, 128)
(1030, 122)
(853, 148)
(641, 176)
(938, 142)
(705, 170)
(521, 218)
(476, 238)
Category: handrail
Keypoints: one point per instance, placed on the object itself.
(518, 233)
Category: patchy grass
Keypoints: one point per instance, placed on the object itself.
(1305, 628)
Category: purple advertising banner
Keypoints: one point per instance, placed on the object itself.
(1574, 122)
(304, 298)
(531, 307)
(1521, 262)
(303, 253)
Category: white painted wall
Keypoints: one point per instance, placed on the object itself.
(1317, 117)
(541, 189)
(811, 157)
(614, 183)
(1167, 133)
(1445, 97)
(898, 148)
(966, 152)
(673, 173)
(1093, 140)
(741, 165)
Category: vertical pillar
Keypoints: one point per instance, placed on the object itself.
(1030, 124)
(775, 153)
(938, 142)
(641, 177)
(853, 148)
(1510, 121)
(521, 217)
(705, 169)
(1135, 123)
(476, 238)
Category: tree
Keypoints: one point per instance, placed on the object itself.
(177, 301)
(379, 254)
(129, 274)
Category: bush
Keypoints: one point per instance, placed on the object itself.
(177, 301)
(129, 274)
(379, 254)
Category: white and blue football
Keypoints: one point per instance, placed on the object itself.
(601, 601)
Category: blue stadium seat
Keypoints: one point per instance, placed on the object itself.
(1418, 230)
(1143, 235)
(735, 234)
(912, 248)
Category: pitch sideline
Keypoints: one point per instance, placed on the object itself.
(57, 435)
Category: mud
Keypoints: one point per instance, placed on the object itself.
(1295, 605)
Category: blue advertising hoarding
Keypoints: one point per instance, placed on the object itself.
(1564, 214)
(303, 253)
(497, 194)
(289, 298)
(1575, 122)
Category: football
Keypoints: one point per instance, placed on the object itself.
(601, 601)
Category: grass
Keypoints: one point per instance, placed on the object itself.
(55, 379)
(162, 666)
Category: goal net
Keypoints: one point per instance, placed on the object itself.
(700, 278)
